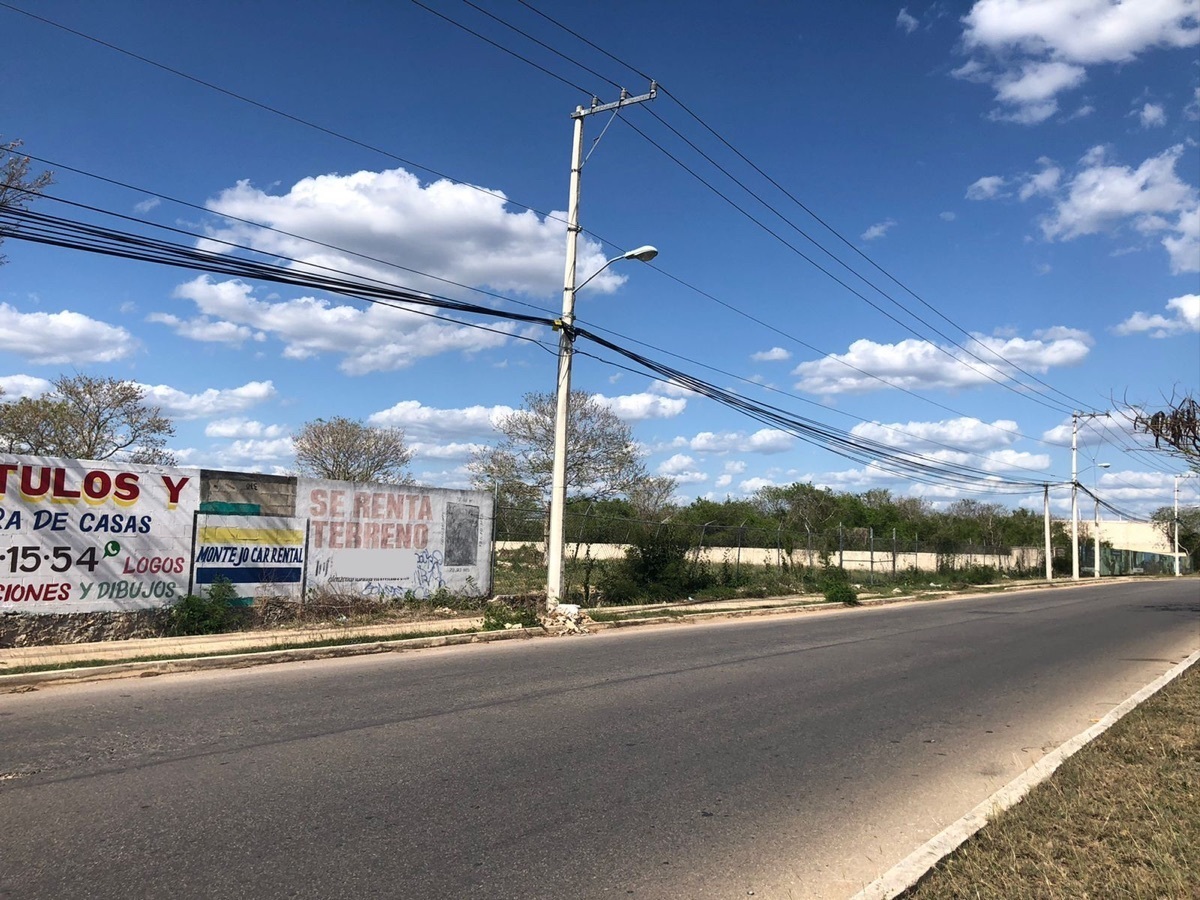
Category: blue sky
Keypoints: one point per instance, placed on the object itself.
(1022, 175)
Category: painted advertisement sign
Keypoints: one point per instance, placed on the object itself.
(258, 555)
(395, 540)
(82, 536)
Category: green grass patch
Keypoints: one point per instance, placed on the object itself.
(1120, 818)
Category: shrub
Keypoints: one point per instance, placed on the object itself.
(498, 614)
(841, 593)
(204, 615)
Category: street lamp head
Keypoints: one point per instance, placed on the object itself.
(1104, 465)
(642, 254)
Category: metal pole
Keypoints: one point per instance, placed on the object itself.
(1096, 561)
(1049, 550)
(1074, 496)
(841, 547)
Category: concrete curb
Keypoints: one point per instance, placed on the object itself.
(33, 680)
(914, 867)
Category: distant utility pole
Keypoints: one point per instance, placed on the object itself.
(1176, 554)
(1049, 551)
(1075, 417)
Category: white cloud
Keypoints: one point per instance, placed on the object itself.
(906, 22)
(62, 338)
(640, 407)
(878, 230)
(1044, 182)
(1031, 51)
(921, 365)
(987, 188)
(16, 387)
(965, 433)
(418, 421)
(682, 468)
(947, 216)
(750, 485)
(1191, 112)
(238, 427)
(452, 231)
(1184, 318)
(378, 338)
(146, 205)
(212, 402)
(765, 440)
(775, 354)
(453, 450)
(1037, 83)
(1152, 115)
(205, 329)
(1152, 198)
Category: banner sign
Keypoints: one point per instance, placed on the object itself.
(258, 555)
(396, 540)
(82, 536)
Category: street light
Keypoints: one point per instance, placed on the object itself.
(566, 339)
(558, 485)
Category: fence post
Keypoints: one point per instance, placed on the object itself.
(779, 546)
(841, 547)
(893, 552)
(808, 533)
(737, 569)
(871, 547)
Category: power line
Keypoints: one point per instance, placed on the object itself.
(805, 208)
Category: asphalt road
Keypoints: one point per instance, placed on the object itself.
(790, 756)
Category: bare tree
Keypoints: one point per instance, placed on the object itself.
(350, 450)
(1176, 429)
(17, 188)
(603, 461)
(88, 418)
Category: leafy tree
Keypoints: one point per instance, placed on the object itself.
(1189, 529)
(17, 187)
(88, 418)
(602, 459)
(350, 450)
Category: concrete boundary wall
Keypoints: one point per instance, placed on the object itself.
(1028, 558)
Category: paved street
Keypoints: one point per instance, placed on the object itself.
(792, 756)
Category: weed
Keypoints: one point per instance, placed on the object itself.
(211, 614)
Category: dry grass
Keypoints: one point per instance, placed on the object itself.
(1120, 819)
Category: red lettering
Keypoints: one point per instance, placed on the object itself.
(420, 536)
(174, 488)
(362, 505)
(127, 489)
(27, 486)
(395, 506)
(318, 533)
(60, 491)
(371, 535)
(337, 506)
(426, 508)
(317, 505)
(5, 470)
(336, 530)
(96, 485)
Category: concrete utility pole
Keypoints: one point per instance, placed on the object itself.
(1046, 514)
(566, 343)
(1075, 417)
(1177, 551)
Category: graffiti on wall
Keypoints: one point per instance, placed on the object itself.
(392, 541)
